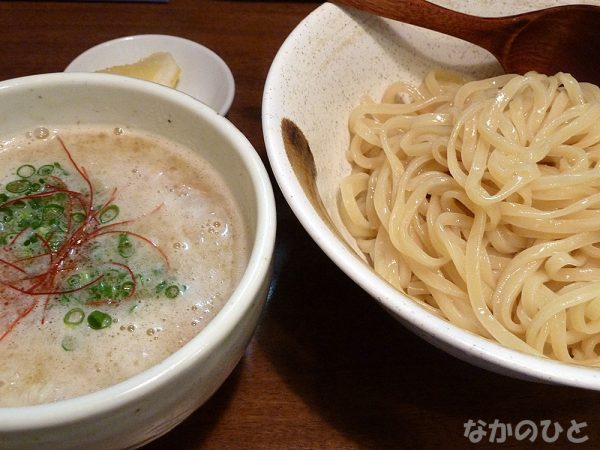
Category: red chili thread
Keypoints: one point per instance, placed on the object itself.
(44, 284)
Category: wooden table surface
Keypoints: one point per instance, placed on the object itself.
(327, 368)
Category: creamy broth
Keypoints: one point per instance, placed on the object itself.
(185, 230)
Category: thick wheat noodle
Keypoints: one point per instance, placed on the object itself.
(481, 201)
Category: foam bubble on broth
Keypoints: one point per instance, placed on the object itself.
(197, 226)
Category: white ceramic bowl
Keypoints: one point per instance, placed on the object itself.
(335, 56)
(204, 75)
(151, 403)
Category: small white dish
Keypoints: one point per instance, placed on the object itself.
(204, 75)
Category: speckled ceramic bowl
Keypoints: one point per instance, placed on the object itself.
(335, 56)
(147, 405)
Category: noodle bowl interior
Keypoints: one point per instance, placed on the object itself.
(481, 201)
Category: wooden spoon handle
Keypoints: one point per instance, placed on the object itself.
(489, 33)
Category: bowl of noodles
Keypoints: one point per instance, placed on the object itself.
(466, 201)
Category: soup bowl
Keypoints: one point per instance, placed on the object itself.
(149, 404)
(342, 55)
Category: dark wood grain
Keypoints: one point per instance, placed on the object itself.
(327, 368)
(548, 41)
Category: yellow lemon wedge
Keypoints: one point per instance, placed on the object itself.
(159, 67)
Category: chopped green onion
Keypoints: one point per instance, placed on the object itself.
(69, 343)
(109, 213)
(25, 171)
(127, 288)
(18, 186)
(160, 286)
(36, 203)
(45, 170)
(52, 212)
(125, 246)
(74, 317)
(104, 290)
(56, 240)
(32, 239)
(172, 291)
(140, 279)
(3, 198)
(6, 214)
(98, 320)
(35, 187)
(24, 218)
(74, 280)
(77, 217)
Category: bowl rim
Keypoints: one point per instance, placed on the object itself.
(19, 418)
(452, 339)
(228, 79)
